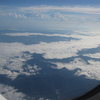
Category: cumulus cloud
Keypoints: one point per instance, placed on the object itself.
(17, 15)
(18, 59)
(9, 92)
(59, 55)
(2, 98)
(54, 50)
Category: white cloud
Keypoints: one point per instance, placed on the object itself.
(2, 98)
(54, 50)
(9, 92)
(12, 56)
(77, 9)
(52, 17)
(12, 59)
(17, 15)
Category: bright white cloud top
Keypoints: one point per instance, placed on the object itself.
(82, 55)
(2, 98)
(49, 50)
(60, 50)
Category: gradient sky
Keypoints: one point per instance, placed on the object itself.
(40, 15)
(49, 2)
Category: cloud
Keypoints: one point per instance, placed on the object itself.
(53, 50)
(2, 98)
(75, 35)
(76, 9)
(62, 54)
(51, 17)
(47, 10)
(16, 15)
(68, 57)
(9, 92)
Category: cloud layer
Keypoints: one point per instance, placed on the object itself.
(61, 49)
(58, 17)
(78, 60)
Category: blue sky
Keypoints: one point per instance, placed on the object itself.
(50, 15)
(49, 2)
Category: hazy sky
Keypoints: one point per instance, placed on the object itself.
(49, 2)
(40, 15)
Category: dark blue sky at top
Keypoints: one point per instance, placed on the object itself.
(49, 2)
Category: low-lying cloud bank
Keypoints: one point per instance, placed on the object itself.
(59, 50)
(82, 57)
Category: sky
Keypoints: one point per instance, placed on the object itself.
(49, 2)
(28, 45)
(39, 15)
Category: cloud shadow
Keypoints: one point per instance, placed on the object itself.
(34, 39)
(49, 82)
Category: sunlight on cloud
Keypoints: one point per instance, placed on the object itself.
(47, 51)
(53, 17)
(54, 50)
(87, 10)
(11, 92)
(2, 98)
